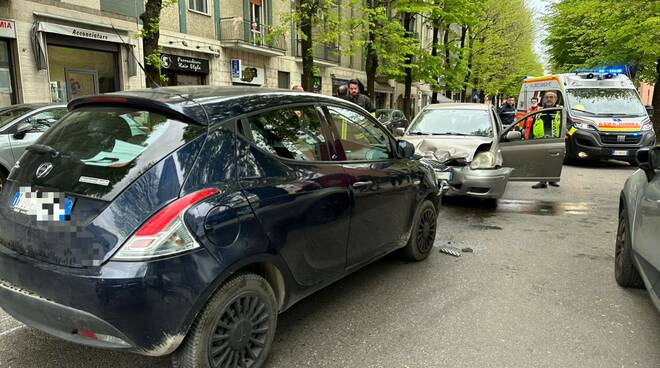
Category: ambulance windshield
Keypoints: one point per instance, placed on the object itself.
(605, 102)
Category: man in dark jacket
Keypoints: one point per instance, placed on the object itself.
(507, 112)
(357, 98)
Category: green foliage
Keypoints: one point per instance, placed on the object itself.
(502, 50)
(620, 32)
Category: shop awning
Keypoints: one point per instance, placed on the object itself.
(39, 43)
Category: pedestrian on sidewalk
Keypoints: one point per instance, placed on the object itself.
(342, 92)
(357, 98)
(507, 112)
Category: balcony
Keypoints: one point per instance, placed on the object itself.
(239, 34)
(324, 54)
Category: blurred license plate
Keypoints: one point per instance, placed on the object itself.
(45, 206)
(619, 153)
(444, 175)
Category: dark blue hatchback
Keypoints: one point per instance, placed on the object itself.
(185, 219)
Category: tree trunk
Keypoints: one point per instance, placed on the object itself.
(150, 20)
(372, 58)
(445, 41)
(304, 8)
(407, 101)
(656, 98)
(468, 74)
(434, 52)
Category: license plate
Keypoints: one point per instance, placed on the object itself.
(444, 175)
(45, 206)
(619, 153)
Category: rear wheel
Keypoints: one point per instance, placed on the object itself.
(624, 270)
(423, 232)
(235, 329)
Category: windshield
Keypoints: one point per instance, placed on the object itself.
(453, 122)
(10, 113)
(383, 115)
(607, 102)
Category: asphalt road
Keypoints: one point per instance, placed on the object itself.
(537, 291)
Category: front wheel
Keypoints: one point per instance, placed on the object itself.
(3, 180)
(423, 232)
(235, 329)
(624, 270)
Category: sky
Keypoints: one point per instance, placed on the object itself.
(539, 7)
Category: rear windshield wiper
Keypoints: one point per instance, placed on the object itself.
(42, 148)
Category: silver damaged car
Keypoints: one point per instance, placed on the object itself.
(481, 155)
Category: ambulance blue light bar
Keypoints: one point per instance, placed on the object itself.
(602, 71)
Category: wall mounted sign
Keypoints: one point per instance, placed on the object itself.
(184, 64)
(250, 75)
(7, 28)
(235, 68)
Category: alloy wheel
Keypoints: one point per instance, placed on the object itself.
(426, 230)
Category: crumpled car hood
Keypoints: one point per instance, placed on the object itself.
(443, 148)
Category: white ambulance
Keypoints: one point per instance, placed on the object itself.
(606, 118)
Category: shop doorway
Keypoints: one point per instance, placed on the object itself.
(6, 82)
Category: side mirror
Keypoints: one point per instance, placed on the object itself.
(648, 160)
(649, 110)
(399, 132)
(513, 136)
(22, 129)
(406, 149)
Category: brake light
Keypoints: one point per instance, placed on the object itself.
(165, 233)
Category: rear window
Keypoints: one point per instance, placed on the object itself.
(100, 151)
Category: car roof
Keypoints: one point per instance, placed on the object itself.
(204, 104)
(32, 106)
(455, 105)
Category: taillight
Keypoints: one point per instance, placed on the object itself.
(165, 233)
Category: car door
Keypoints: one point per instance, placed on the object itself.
(383, 187)
(647, 220)
(297, 192)
(538, 159)
(40, 122)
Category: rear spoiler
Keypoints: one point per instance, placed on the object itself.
(187, 111)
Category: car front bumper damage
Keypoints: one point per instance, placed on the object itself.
(480, 183)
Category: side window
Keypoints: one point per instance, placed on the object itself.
(360, 138)
(44, 120)
(293, 133)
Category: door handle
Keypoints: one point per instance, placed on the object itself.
(362, 184)
(555, 154)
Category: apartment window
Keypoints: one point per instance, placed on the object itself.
(198, 5)
(283, 79)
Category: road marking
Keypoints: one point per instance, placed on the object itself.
(11, 330)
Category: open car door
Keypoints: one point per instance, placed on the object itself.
(535, 155)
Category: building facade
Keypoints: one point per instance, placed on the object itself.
(57, 50)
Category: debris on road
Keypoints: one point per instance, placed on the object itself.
(467, 250)
(451, 251)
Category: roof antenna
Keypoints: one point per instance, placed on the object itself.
(153, 82)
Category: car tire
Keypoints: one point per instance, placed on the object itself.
(3, 180)
(624, 270)
(236, 327)
(422, 234)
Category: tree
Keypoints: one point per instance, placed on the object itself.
(150, 33)
(620, 33)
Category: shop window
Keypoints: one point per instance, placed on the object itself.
(80, 72)
(199, 5)
(6, 91)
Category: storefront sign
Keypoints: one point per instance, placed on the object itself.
(235, 68)
(7, 28)
(184, 64)
(82, 33)
(250, 75)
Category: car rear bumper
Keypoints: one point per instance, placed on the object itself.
(487, 183)
(142, 307)
(591, 144)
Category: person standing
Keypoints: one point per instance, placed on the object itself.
(527, 124)
(507, 112)
(342, 92)
(547, 125)
(357, 98)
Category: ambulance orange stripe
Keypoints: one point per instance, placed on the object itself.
(540, 79)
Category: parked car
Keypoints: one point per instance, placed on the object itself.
(637, 256)
(392, 119)
(20, 125)
(482, 155)
(185, 219)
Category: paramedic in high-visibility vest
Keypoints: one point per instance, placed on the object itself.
(547, 125)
